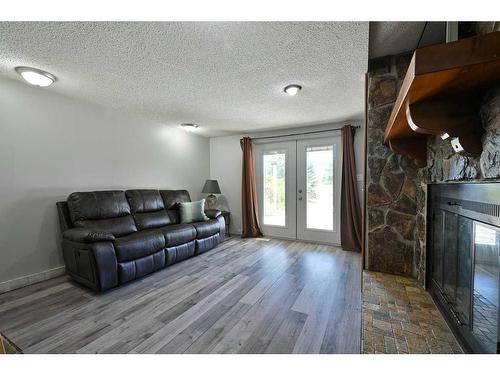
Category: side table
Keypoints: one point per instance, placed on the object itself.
(227, 219)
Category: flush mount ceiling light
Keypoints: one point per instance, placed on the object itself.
(190, 127)
(292, 90)
(36, 77)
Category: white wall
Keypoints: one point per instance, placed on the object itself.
(51, 145)
(225, 166)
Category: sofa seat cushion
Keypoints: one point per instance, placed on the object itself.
(206, 229)
(175, 254)
(205, 244)
(134, 269)
(177, 234)
(138, 245)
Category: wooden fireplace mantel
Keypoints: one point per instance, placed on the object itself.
(440, 95)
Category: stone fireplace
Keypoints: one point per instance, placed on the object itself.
(434, 223)
(397, 190)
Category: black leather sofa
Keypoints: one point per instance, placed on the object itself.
(112, 237)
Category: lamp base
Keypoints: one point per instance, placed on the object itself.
(211, 201)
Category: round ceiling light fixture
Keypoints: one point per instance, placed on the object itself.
(292, 90)
(36, 77)
(190, 127)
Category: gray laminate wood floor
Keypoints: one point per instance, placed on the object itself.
(246, 296)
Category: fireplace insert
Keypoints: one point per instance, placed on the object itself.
(463, 260)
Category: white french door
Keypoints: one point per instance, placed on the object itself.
(318, 189)
(276, 180)
(298, 186)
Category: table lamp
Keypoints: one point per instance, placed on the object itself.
(211, 187)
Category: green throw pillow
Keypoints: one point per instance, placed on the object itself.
(192, 211)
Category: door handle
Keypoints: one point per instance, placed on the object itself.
(300, 190)
(299, 198)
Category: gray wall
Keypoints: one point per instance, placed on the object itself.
(51, 145)
(225, 166)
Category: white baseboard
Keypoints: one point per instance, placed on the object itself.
(9, 285)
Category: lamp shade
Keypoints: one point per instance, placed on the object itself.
(211, 187)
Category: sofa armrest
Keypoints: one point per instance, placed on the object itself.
(212, 213)
(93, 264)
(87, 235)
(222, 227)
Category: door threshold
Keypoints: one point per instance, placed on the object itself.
(268, 238)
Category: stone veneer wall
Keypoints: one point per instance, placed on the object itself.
(397, 190)
(391, 179)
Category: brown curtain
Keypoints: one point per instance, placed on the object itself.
(249, 207)
(350, 212)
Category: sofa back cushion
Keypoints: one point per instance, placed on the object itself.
(175, 217)
(102, 210)
(147, 208)
(93, 205)
(118, 226)
(172, 198)
(144, 200)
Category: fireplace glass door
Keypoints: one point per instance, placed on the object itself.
(465, 270)
(438, 248)
(464, 261)
(486, 289)
(450, 257)
(453, 262)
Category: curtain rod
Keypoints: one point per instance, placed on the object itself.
(304, 133)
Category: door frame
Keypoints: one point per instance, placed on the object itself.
(268, 144)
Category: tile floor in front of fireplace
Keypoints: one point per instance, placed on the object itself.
(400, 317)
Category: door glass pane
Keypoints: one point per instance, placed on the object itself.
(464, 271)
(319, 185)
(450, 256)
(437, 248)
(274, 188)
(486, 289)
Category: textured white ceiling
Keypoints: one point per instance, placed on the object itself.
(226, 76)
